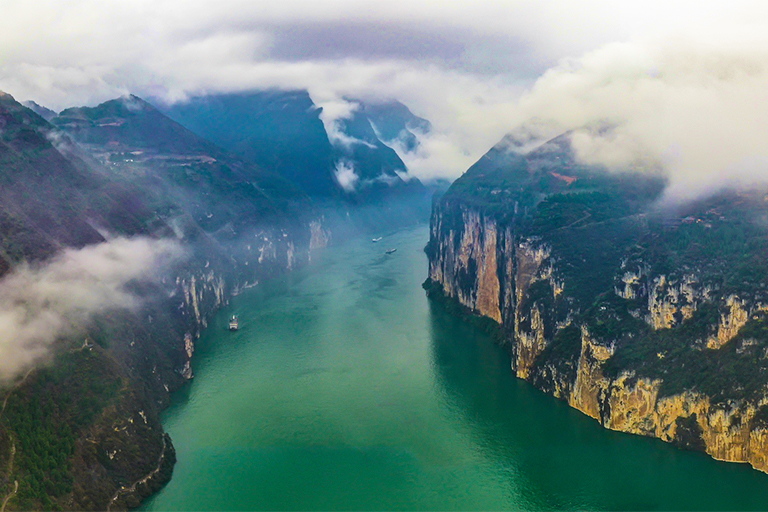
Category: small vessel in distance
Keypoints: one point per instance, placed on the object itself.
(390, 251)
(376, 240)
(233, 323)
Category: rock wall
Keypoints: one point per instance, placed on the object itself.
(486, 270)
(518, 282)
(469, 263)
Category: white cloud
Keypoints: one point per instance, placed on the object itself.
(346, 176)
(695, 107)
(42, 303)
(334, 112)
(649, 67)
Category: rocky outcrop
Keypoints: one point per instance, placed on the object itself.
(189, 349)
(735, 315)
(591, 386)
(670, 303)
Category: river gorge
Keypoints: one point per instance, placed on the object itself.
(347, 389)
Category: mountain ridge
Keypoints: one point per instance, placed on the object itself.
(287, 125)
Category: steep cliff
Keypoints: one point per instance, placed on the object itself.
(650, 320)
(83, 431)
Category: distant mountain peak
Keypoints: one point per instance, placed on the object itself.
(283, 132)
(132, 123)
(394, 123)
(135, 104)
(40, 110)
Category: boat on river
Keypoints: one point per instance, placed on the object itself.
(234, 323)
(376, 240)
(390, 251)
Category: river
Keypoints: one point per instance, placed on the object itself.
(346, 389)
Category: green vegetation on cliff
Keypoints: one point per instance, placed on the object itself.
(44, 419)
(674, 293)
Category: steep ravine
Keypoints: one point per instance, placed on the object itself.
(522, 282)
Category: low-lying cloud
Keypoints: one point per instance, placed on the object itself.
(346, 176)
(334, 113)
(42, 303)
(681, 84)
(694, 108)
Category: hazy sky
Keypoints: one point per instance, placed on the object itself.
(685, 83)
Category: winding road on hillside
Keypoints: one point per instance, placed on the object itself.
(13, 443)
(11, 495)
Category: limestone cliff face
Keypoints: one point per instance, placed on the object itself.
(532, 265)
(487, 271)
(469, 264)
(591, 386)
(189, 349)
(634, 405)
(521, 282)
(671, 302)
(735, 315)
(204, 290)
(728, 432)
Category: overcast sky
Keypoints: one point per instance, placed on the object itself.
(685, 83)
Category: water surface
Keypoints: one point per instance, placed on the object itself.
(345, 389)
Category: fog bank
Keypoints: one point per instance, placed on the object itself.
(45, 302)
(694, 108)
(681, 83)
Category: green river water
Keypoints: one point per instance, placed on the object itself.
(346, 389)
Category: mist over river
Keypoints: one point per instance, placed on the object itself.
(346, 389)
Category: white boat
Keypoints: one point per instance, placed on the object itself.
(376, 240)
(234, 324)
(390, 251)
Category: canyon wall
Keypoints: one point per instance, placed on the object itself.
(583, 350)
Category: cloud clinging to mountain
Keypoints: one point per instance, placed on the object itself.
(475, 69)
(42, 303)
